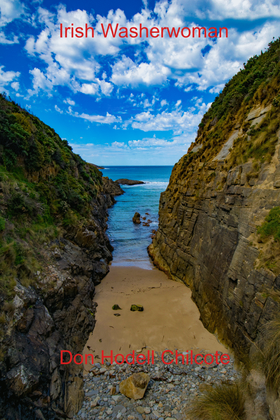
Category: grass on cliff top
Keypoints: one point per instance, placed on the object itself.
(219, 402)
(257, 84)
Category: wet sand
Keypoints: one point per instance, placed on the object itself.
(170, 319)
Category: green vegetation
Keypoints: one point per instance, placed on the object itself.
(137, 308)
(271, 226)
(257, 84)
(269, 235)
(2, 224)
(116, 307)
(271, 353)
(45, 190)
(219, 402)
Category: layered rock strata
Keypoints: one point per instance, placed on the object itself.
(34, 382)
(207, 239)
(57, 314)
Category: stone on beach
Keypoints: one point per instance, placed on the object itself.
(135, 386)
(116, 307)
(137, 308)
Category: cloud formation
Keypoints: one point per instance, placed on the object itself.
(158, 88)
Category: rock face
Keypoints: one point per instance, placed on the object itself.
(209, 244)
(135, 386)
(54, 250)
(218, 194)
(32, 377)
(112, 187)
(124, 181)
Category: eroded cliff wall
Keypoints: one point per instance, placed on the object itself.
(53, 251)
(218, 194)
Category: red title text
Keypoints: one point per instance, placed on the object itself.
(141, 31)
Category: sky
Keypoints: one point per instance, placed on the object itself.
(127, 101)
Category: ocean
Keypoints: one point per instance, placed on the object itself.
(130, 241)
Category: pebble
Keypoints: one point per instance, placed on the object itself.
(170, 390)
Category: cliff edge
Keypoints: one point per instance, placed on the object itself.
(216, 215)
(53, 251)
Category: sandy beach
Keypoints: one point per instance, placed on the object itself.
(170, 319)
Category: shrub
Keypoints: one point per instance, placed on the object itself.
(220, 402)
(271, 226)
(2, 224)
(271, 352)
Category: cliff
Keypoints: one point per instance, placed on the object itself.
(53, 251)
(219, 217)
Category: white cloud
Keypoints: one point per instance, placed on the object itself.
(89, 88)
(58, 109)
(10, 10)
(15, 85)
(126, 72)
(108, 119)
(4, 40)
(231, 9)
(70, 61)
(69, 101)
(178, 121)
(106, 87)
(7, 78)
(217, 88)
(119, 144)
(240, 9)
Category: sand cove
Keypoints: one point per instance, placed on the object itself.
(170, 319)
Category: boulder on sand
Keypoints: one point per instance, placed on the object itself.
(116, 307)
(138, 308)
(135, 385)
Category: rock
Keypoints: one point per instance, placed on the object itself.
(137, 308)
(136, 218)
(113, 390)
(124, 181)
(39, 415)
(116, 307)
(140, 409)
(113, 187)
(135, 386)
(74, 397)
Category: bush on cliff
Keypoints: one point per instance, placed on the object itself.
(271, 226)
(44, 188)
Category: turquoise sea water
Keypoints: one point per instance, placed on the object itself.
(130, 241)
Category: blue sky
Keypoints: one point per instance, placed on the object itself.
(127, 101)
